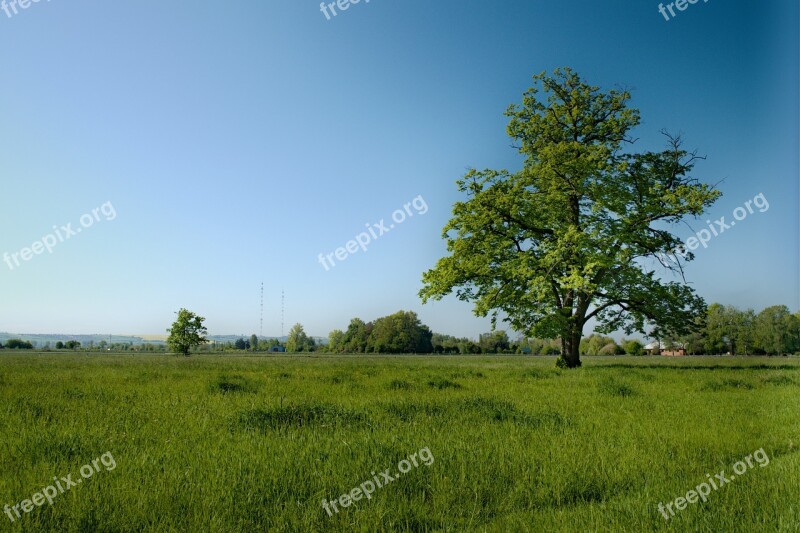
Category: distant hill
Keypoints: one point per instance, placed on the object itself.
(41, 339)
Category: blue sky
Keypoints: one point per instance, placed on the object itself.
(237, 141)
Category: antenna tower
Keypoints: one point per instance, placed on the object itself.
(261, 322)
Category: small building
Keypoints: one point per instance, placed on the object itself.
(277, 349)
(660, 348)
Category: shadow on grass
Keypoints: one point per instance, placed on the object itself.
(304, 416)
(616, 388)
(234, 384)
(488, 409)
(444, 384)
(727, 384)
(696, 367)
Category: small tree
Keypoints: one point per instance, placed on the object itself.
(253, 342)
(186, 332)
(336, 340)
(633, 347)
(298, 341)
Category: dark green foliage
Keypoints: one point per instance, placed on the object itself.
(17, 344)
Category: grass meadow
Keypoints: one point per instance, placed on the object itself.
(228, 443)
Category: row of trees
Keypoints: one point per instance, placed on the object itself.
(719, 330)
(726, 329)
(723, 329)
(90, 346)
(253, 344)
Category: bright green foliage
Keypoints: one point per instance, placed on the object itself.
(581, 230)
(298, 341)
(598, 345)
(186, 332)
(728, 330)
(336, 340)
(633, 347)
(356, 336)
(401, 332)
(494, 342)
(777, 331)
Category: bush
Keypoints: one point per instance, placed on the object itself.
(561, 362)
(608, 349)
(633, 347)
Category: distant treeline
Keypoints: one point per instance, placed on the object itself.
(726, 329)
(723, 330)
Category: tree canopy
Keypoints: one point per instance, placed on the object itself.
(186, 332)
(580, 230)
(401, 332)
(298, 341)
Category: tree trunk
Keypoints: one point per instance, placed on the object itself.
(570, 348)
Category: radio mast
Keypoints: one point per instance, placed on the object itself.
(261, 321)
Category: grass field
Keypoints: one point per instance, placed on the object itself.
(214, 443)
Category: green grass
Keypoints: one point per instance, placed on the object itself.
(214, 443)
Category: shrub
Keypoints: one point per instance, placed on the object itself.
(633, 347)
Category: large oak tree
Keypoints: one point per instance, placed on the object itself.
(582, 231)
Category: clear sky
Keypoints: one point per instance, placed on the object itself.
(233, 142)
